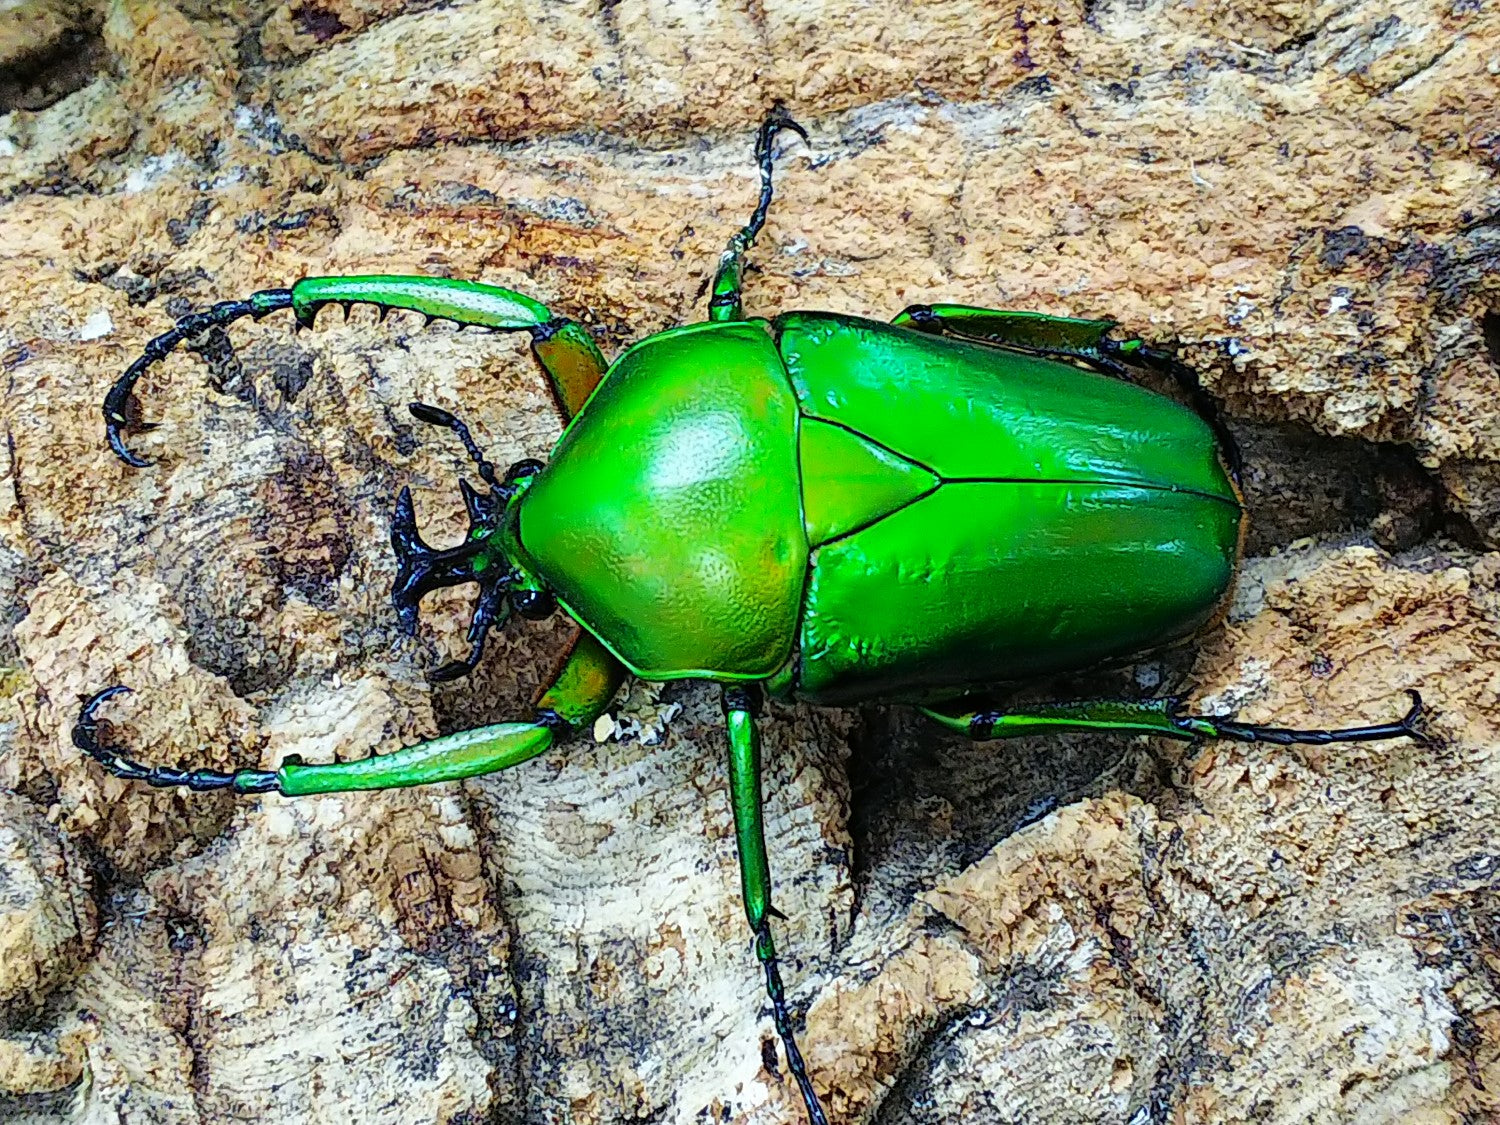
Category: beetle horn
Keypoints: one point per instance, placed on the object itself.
(483, 508)
(422, 568)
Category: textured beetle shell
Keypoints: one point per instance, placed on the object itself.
(669, 518)
(984, 516)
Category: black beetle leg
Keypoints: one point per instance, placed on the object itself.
(490, 610)
(224, 313)
(86, 738)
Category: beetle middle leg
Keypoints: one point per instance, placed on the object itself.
(579, 693)
(724, 304)
(1164, 717)
(755, 874)
(567, 353)
(1072, 338)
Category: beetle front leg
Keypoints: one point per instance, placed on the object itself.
(1164, 717)
(567, 353)
(569, 356)
(580, 692)
(724, 303)
(755, 873)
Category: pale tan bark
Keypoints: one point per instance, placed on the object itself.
(1083, 929)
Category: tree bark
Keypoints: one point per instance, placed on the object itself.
(1075, 929)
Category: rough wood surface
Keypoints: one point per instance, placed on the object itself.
(1082, 929)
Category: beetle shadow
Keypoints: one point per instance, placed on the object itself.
(926, 802)
(1300, 484)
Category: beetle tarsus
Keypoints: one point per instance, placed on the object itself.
(86, 738)
(765, 950)
(117, 401)
(1413, 723)
(1408, 726)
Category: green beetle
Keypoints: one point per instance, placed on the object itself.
(831, 508)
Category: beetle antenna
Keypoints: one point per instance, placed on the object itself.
(436, 416)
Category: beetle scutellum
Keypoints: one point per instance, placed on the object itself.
(829, 508)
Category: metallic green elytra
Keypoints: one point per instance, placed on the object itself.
(830, 508)
(842, 549)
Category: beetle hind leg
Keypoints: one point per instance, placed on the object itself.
(1164, 717)
(1071, 338)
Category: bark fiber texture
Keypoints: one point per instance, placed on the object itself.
(1078, 929)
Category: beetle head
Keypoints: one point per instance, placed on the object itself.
(484, 556)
